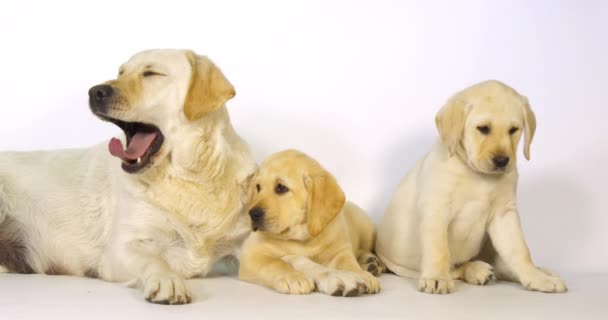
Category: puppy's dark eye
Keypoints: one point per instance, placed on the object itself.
(483, 129)
(280, 189)
(513, 130)
(149, 73)
(257, 187)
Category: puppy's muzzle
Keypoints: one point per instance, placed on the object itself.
(99, 96)
(257, 218)
(500, 162)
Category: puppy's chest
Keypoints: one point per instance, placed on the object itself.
(467, 228)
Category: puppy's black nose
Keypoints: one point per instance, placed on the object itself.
(500, 161)
(256, 214)
(99, 93)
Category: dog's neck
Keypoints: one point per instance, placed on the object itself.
(209, 162)
(206, 150)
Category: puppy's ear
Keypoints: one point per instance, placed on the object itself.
(325, 201)
(252, 188)
(529, 126)
(209, 88)
(450, 123)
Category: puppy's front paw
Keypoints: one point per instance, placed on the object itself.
(342, 283)
(166, 289)
(294, 283)
(478, 273)
(544, 281)
(438, 286)
(372, 283)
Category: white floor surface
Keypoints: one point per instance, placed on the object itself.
(57, 297)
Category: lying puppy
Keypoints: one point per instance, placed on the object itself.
(461, 198)
(306, 235)
(162, 209)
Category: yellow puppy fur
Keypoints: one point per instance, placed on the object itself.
(307, 236)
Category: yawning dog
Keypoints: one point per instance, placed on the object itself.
(159, 205)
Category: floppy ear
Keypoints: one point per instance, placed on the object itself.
(325, 201)
(209, 88)
(251, 191)
(529, 126)
(450, 123)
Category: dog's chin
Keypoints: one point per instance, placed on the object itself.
(282, 233)
(489, 169)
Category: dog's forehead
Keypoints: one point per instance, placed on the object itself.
(286, 166)
(495, 103)
(166, 57)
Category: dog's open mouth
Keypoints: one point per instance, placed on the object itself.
(143, 142)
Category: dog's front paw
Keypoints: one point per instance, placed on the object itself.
(294, 283)
(166, 289)
(478, 273)
(544, 281)
(371, 282)
(438, 286)
(342, 283)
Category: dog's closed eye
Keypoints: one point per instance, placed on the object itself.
(513, 130)
(483, 129)
(280, 189)
(149, 73)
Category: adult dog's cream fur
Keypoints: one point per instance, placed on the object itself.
(307, 236)
(461, 198)
(77, 212)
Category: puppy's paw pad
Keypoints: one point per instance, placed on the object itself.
(295, 283)
(372, 264)
(436, 286)
(166, 289)
(478, 273)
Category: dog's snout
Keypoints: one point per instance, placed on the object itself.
(100, 92)
(256, 214)
(500, 161)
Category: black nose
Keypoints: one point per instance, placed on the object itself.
(500, 161)
(256, 214)
(99, 93)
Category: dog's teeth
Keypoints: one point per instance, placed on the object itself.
(138, 160)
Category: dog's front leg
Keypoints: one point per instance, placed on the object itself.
(160, 284)
(275, 273)
(435, 265)
(508, 240)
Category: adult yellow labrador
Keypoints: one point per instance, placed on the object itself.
(158, 206)
(461, 197)
(307, 237)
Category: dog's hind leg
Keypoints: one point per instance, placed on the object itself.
(371, 263)
(474, 272)
(13, 253)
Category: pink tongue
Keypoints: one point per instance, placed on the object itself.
(139, 144)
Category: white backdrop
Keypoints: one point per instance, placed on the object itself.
(355, 84)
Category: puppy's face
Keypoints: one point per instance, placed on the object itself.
(157, 92)
(292, 197)
(483, 125)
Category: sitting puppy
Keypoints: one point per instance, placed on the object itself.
(459, 202)
(306, 235)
